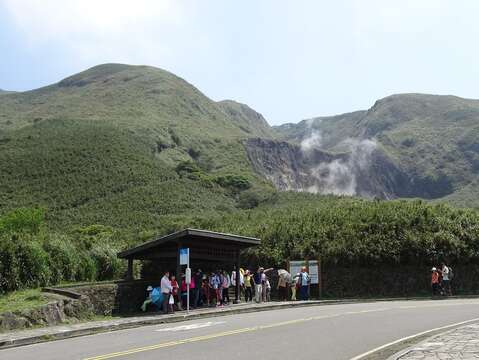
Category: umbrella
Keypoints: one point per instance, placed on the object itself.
(156, 297)
(282, 273)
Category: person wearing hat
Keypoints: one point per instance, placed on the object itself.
(434, 281)
(258, 285)
(149, 289)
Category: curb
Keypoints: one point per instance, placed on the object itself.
(12, 343)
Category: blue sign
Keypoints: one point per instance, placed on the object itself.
(184, 256)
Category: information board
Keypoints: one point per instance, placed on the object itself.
(312, 266)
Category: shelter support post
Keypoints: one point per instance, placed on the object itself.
(178, 266)
(129, 272)
(238, 278)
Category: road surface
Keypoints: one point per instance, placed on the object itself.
(340, 331)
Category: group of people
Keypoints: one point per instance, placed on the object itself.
(441, 280)
(213, 289)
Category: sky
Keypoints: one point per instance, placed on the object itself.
(289, 60)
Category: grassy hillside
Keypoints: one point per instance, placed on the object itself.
(103, 146)
(433, 139)
(247, 119)
(109, 157)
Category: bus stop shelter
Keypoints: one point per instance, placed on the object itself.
(205, 247)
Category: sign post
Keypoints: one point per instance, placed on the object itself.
(185, 260)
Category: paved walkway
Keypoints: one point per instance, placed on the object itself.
(460, 343)
(30, 336)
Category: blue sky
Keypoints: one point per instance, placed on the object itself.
(289, 60)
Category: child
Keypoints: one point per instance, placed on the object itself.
(268, 290)
(175, 286)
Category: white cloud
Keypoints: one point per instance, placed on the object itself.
(42, 20)
(99, 28)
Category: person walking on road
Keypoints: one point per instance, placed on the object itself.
(434, 281)
(166, 290)
(304, 281)
(258, 287)
(446, 285)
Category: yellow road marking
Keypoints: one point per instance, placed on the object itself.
(221, 334)
(242, 330)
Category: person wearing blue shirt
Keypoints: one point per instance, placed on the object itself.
(304, 281)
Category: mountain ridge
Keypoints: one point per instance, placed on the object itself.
(130, 145)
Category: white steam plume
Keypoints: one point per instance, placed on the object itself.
(339, 176)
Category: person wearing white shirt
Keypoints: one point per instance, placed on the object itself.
(446, 285)
(166, 290)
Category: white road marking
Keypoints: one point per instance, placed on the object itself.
(363, 355)
(192, 326)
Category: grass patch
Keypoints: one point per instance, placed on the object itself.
(22, 299)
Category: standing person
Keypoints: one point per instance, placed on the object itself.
(268, 290)
(304, 281)
(258, 287)
(248, 292)
(264, 288)
(166, 290)
(294, 287)
(233, 280)
(446, 285)
(225, 285)
(198, 288)
(282, 288)
(176, 287)
(192, 292)
(205, 289)
(434, 281)
(183, 291)
(216, 286)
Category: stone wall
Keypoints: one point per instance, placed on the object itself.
(116, 298)
(58, 311)
(103, 297)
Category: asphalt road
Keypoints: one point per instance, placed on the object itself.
(317, 332)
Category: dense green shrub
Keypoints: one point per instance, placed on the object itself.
(108, 265)
(65, 260)
(22, 220)
(235, 182)
(33, 264)
(9, 270)
(30, 256)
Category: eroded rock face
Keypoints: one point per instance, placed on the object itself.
(364, 170)
(283, 163)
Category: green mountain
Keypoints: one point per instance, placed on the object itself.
(117, 153)
(136, 146)
(430, 142)
(122, 145)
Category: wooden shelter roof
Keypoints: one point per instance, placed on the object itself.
(192, 238)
